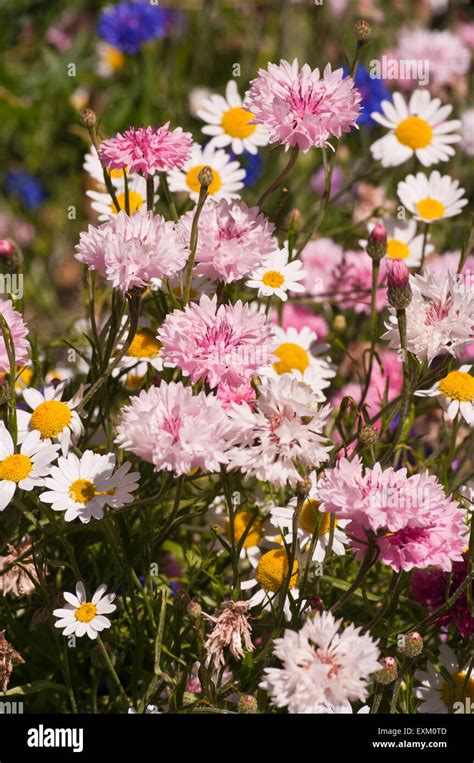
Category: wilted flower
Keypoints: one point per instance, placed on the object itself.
(232, 629)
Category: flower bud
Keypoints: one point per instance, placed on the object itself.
(369, 435)
(206, 176)
(388, 671)
(88, 118)
(412, 645)
(11, 257)
(6, 248)
(247, 704)
(194, 610)
(339, 324)
(377, 243)
(303, 487)
(399, 289)
(362, 30)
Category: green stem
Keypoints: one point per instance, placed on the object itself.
(279, 180)
(113, 673)
(203, 193)
(169, 198)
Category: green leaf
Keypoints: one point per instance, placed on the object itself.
(34, 688)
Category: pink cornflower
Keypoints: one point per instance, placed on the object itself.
(410, 519)
(445, 53)
(174, 429)
(320, 257)
(147, 150)
(299, 316)
(299, 107)
(238, 395)
(233, 239)
(18, 331)
(227, 344)
(130, 251)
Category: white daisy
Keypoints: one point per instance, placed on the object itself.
(442, 687)
(311, 520)
(277, 276)
(295, 358)
(219, 515)
(82, 487)
(456, 393)
(270, 576)
(110, 59)
(25, 469)
(80, 616)
(228, 175)
(431, 198)
(143, 354)
(60, 373)
(419, 128)
(403, 243)
(105, 207)
(50, 416)
(230, 124)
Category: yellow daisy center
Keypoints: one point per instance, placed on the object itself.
(82, 491)
(24, 376)
(134, 199)
(86, 612)
(292, 357)
(458, 385)
(273, 278)
(310, 516)
(144, 345)
(241, 522)
(397, 250)
(414, 133)
(50, 418)
(15, 468)
(194, 184)
(453, 693)
(272, 570)
(235, 122)
(117, 173)
(429, 208)
(133, 382)
(115, 58)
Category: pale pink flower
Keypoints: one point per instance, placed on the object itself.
(233, 239)
(320, 257)
(353, 283)
(130, 251)
(410, 519)
(299, 107)
(232, 629)
(229, 343)
(227, 394)
(466, 33)
(446, 54)
(174, 429)
(147, 150)
(18, 331)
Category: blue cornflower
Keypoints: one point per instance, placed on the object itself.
(127, 26)
(25, 187)
(373, 92)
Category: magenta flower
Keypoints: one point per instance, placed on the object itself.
(18, 331)
(147, 150)
(227, 344)
(410, 519)
(299, 107)
(174, 429)
(429, 587)
(233, 239)
(130, 251)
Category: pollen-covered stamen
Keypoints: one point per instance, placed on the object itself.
(50, 418)
(194, 184)
(86, 612)
(292, 357)
(458, 385)
(272, 570)
(135, 202)
(15, 468)
(430, 209)
(311, 518)
(414, 133)
(241, 522)
(397, 250)
(82, 491)
(144, 345)
(235, 123)
(273, 278)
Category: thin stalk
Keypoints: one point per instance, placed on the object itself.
(279, 180)
(113, 673)
(169, 198)
(203, 193)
